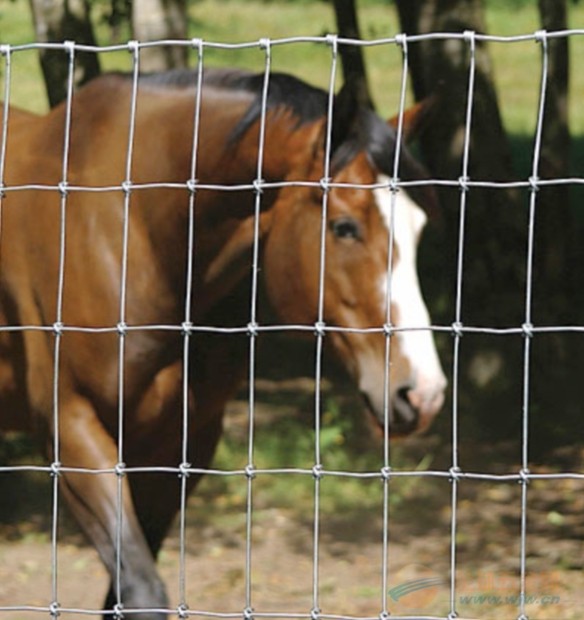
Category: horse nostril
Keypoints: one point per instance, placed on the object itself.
(403, 392)
(405, 416)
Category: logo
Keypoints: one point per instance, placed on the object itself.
(414, 585)
(416, 589)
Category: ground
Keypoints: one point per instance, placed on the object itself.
(350, 543)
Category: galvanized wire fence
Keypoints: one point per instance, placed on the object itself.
(250, 473)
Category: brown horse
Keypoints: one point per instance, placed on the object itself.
(123, 296)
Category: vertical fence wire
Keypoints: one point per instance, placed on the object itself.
(265, 45)
(319, 327)
(58, 333)
(120, 467)
(541, 38)
(6, 53)
(393, 188)
(469, 37)
(187, 334)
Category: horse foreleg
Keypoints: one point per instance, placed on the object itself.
(94, 500)
(157, 498)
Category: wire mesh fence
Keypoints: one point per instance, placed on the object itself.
(387, 475)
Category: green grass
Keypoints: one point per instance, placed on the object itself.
(516, 66)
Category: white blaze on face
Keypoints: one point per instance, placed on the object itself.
(427, 380)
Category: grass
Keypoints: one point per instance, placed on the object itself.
(516, 66)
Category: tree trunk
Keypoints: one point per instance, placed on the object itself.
(495, 225)
(554, 215)
(58, 21)
(442, 66)
(155, 20)
(558, 289)
(354, 72)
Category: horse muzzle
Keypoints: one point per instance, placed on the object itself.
(411, 408)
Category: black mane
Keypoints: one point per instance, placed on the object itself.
(366, 131)
(306, 102)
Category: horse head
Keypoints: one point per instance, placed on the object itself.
(385, 341)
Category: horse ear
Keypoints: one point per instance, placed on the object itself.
(345, 108)
(417, 118)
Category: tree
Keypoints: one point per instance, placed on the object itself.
(354, 71)
(494, 251)
(154, 20)
(495, 231)
(555, 154)
(62, 20)
(58, 21)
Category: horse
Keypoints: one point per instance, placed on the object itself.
(121, 278)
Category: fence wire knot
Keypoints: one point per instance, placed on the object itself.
(58, 328)
(54, 609)
(258, 186)
(127, 187)
(122, 328)
(469, 36)
(5, 50)
(527, 329)
(457, 329)
(187, 328)
(325, 184)
(388, 329)
(319, 329)
(118, 611)
(133, 47)
(540, 36)
(184, 470)
(120, 469)
(315, 613)
(463, 183)
(197, 44)
(384, 615)
(534, 183)
(192, 186)
(385, 473)
(265, 44)
(182, 611)
(69, 46)
(524, 476)
(393, 185)
(252, 329)
(63, 188)
(522, 617)
(317, 472)
(333, 41)
(55, 469)
(248, 613)
(250, 471)
(452, 616)
(455, 474)
(401, 39)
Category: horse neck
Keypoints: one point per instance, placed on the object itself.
(221, 216)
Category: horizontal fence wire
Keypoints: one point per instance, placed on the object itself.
(187, 328)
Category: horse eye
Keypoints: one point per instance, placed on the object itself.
(345, 228)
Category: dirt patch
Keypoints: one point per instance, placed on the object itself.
(350, 563)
